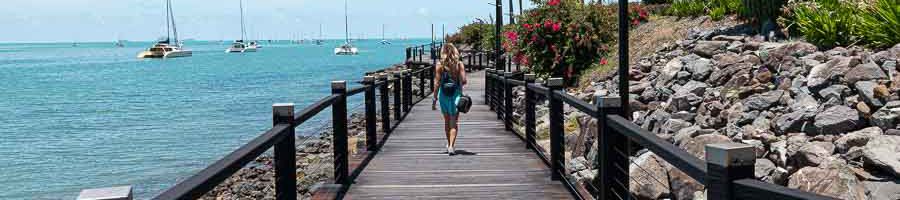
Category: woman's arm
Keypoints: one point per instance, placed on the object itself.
(462, 74)
(437, 81)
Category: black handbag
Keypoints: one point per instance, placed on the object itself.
(465, 103)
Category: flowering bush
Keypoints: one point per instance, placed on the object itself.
(560, 38)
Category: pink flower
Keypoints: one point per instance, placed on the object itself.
(603, 61)
(553, 2)
(512, 36)
(548, 24)
(556, 27)
(527, 26)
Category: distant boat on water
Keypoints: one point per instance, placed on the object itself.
(347, 48)
(384, 40)
(170, 47)
(239, 46)
(320, 41)
(120, 43)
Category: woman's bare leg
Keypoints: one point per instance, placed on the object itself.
(447, 128)
(454, 128)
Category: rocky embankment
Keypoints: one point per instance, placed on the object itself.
(822, 120)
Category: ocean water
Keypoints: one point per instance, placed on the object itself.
(90, 116)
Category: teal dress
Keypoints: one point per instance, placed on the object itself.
(448, 102)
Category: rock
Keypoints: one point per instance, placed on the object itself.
(709, 48)
(812, 154)
(804, 103)
(820, 75)
(686, 134)
(668, 73)
(683, 186)
(674, 125)
(883, 152)
(697, 145)
(765, 170)
(834, 91)
(837, 119)
(865, 72)
(683, 102)
(866, 90)
(730, 38)
(721, 76)
(856, 139)
(763, 101)
(644, 171)
(835, 180)
(888, 117)
(795, 49)
(883, 190)
(695, 87)
(699, 67)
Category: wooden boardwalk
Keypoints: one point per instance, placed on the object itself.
(493, 164)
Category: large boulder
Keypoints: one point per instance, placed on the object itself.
(794, 122)
(812, 154)
(888, 117)
(699, 67)
(709, 48)
(883, 152)
(668, 73)
(820, 76)
(837, 119)
(834, 179)
(646, 172)
(856, 139)
(867, 91)
(865, 72)
(763, 101)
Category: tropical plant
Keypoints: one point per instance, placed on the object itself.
(827, 23)
(687, 8)
(760, 12)
(879, 26)
(562, 37)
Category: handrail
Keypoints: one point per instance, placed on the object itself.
(749, 189)
(207, 179)
(729, 178)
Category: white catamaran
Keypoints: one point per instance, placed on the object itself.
(347, 48)
(170, 46)
(384, 40)
(239, 46)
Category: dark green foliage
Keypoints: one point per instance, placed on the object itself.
(879, 26)
(687, 8)
(648, 2)
(827, 23)
(716, 9)
(760, 12)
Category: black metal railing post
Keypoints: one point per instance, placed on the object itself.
(398, 97)
(499, 83)
(557, 130)
(431, 79)
(385, 103)
(407, 90)
(285, 154)
(421, 75)
(530, 119)
(408, 55)
(507, 100)
(611, 146)
(371, 116)
(421, 52)
(339, 125)
(726, 163)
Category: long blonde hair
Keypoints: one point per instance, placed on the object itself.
(450, 60)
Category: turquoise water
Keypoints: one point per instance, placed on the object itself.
(73, 118)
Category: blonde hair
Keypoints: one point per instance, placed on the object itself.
(450, 60)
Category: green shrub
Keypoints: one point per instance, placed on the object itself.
(827, 23)
(687, 8)
(649, 2)
(879, 26)
(760, 12)
(717, 13)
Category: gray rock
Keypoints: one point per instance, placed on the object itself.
(767, 171)
(674, 125)
(644, 171)
(883, 152)
(686, 134)
(812, 154)
(856, 139)
(804, 103)
(883, 190)
(695, 87)
(763, 101)
(709, 48)
(684, 102)
(699, 67)
(820, 75)
(697, 146)
(834, 91)
(888, 117)
(866, 90)
(865, 72)
(834, 180)
(837, 119)
(668, 73)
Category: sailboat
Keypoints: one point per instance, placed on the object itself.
(320, 42)
(170, 47)
(384, 40)
(347, 48)
(239, 46)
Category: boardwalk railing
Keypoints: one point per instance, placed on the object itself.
(281, 136)
(727, 173)
(473, 59)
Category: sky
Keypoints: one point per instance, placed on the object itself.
(144, 20)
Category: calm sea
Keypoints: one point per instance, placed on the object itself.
(90, 116)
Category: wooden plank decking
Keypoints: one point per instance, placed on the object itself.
(494, 163)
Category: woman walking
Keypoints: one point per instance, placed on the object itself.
(449, 81)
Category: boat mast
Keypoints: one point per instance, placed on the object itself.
(174, 28)
(168, 31)
(346, 23)
(382, 32)
(243, 30)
